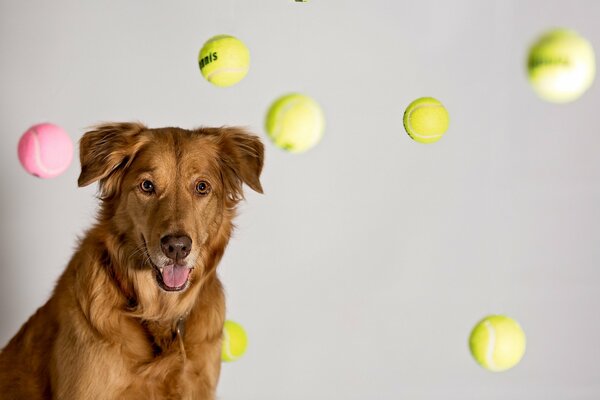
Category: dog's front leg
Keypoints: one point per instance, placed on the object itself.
(201, 370)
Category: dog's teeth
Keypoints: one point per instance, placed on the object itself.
(161, 270)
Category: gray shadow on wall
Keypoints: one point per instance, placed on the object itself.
(8, 287)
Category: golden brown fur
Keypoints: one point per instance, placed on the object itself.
(109, 331)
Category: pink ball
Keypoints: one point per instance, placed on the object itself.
(45, 150)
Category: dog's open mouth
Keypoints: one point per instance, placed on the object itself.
(173, 278)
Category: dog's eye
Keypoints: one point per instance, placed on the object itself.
(202, 188)
(147, 186)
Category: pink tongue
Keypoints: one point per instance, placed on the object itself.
(175, 276)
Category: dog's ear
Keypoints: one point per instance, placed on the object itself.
(242, 155)
(105, 152)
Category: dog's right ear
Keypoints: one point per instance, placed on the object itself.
(106, 151)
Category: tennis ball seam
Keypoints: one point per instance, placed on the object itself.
(281, 114)
(410, 127)
(37, 151)
(491, 346)
(225, 70)
(227, 346)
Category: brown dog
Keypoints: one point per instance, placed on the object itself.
(139, 311)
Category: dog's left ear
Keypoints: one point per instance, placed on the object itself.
(242, 155)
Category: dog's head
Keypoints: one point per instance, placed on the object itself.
(169, 195)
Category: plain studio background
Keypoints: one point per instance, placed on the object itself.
(361, 271)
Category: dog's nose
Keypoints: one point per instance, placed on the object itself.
(176, 247)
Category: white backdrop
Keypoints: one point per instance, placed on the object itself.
(360, 272)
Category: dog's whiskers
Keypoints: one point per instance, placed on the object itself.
(140, 251)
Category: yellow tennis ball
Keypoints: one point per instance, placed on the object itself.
(224, 60)
(497, 343)
(561, 66)
(295, 123)
(426, 120)
(234, 342)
